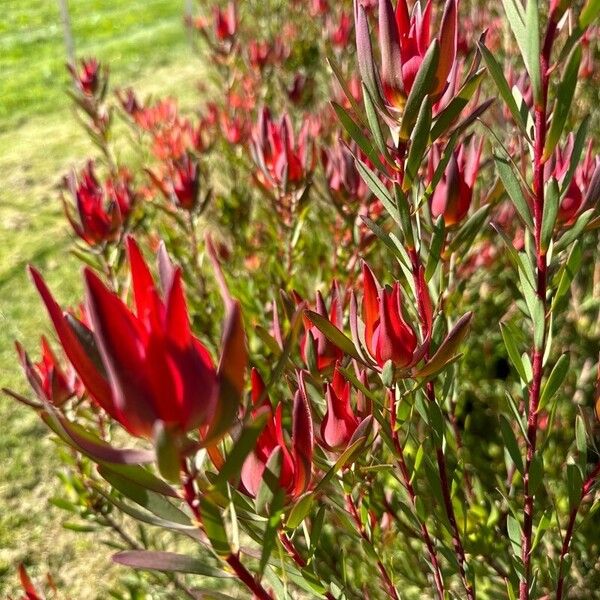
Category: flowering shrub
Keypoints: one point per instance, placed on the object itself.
(426, 426)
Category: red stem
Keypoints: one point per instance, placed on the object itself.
(244, 575)
(363, 534)
(191, 498)
(536, 353)
(437, 573)
(439, 451)
(585, 490)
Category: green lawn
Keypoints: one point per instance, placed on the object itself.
(145, 44)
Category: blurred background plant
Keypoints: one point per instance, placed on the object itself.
(219, 122)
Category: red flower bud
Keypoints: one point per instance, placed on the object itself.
(326, 353)
(387, 335)
(339, 421)
(453, 194)
(296, 463)
(47, 378)
(102, 210)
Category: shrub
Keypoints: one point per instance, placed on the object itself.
(379, 380)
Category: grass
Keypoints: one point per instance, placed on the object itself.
(145, 45)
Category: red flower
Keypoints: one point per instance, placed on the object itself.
(102, 211)
(145, 366)
(339, 422)
(182, 185)
(47, 378)
(582, 188)
(89, 78)
(283, 162)
(313, 340)
(225, 22)
(404, 40)
(387, 335)
(453, 194)
(339, 33)
(296, 459)
(343, 179)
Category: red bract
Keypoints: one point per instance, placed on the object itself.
(258, 54)
(296, 458)
(181, 185)
(47, 378)
(339, 422)
(387, 335)
(344, 182)
(339, 32)
(582, 192)
(283, 162)
(30, 591)
(404, 40)
(313, 342)
(144, 367)
(102, 210)
(453, 194)
(225, 22)
(89, 77)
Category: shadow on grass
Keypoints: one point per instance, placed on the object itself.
(42, 254)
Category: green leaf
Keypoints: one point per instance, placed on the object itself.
(513, 189)
(524, 26)
(564, 99)
(551, 204)
(300, 510)
(422, 85)
(333, 334)
(167, 445)
(437, 242)
(468, 231)
(531, 55)
(374, 125)
(155, 503)
(495, 70)
(513, 352)
(536, 472)
(418, 144)
(511, 444)
(452, 111)
(213, 525)
(447, 350)
(355, 132)
(245, 443)
(514, 535)
(346, 89)
(167, 562)
(555, 380)
(580, 437)
(578, 146)
(269, 486)
(575, 231)
(589, 13)
(378, 188)
(346, 457)
(574, 485)
(568, 271)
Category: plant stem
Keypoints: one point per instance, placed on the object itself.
(439, 451)
(537, 353)
(233, 560)
(585, 490)
(437, 574)
(244, 575)
(387, 580)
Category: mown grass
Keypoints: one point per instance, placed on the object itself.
(146, 46)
